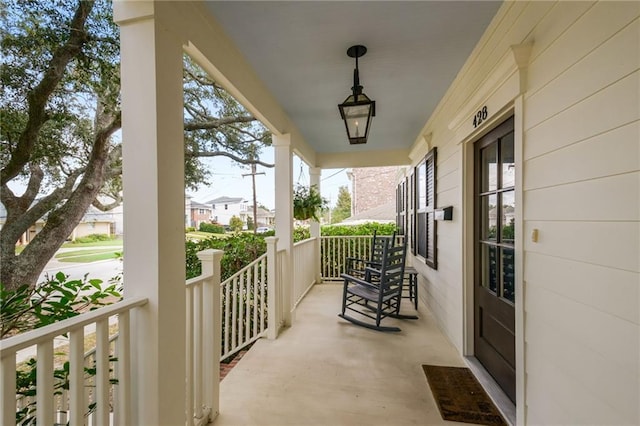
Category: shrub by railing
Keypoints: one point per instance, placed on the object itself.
(240, 249)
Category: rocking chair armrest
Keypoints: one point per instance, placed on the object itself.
(358, 281)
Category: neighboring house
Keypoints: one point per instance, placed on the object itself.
(199, 213)
(187, 210)
(224, 208)
(94, 221)
(372, 187)
(264, 217)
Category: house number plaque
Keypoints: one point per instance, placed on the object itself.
(480, 116)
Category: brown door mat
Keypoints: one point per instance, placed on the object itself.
(460, 397)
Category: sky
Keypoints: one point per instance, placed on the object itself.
(227, 180)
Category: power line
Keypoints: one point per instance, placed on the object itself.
(329, 177)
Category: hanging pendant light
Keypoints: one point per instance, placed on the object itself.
(357, 110)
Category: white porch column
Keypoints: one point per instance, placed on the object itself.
(314, 228)
(153, 182)
(284, 217)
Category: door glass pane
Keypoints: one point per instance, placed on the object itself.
(489, 162)
(489, 217)
(489, 267)
(508, 161)
(508, 216)
(508, 274)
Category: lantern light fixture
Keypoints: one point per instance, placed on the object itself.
(357, 110)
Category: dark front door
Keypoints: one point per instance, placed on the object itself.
(494, 294)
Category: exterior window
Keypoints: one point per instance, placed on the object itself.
(226, 206)
(424, 228)
(213, 206)
(202, 211)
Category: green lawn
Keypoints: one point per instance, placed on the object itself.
(199, 235)
(86, 256)
(116, 242)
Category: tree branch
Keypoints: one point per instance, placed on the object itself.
(39, 96)
(229, 155)
(106, 207)
(216, 123)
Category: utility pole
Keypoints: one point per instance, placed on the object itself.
(255, 203)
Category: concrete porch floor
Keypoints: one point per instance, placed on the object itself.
(327, 371)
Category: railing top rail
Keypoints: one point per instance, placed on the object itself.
(196, 280)
(30, 338)
(303, 242)
(346, 236)
(356, 236)
(241, 271)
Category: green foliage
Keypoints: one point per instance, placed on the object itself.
(301, 233)
(26, 386)
(27, 308)
(211, 228)
(60, 104)
(236, 224)
(238, 135)
(307, 202)
(58, 298)
(92, 238)
(240, 249)
(342, 210)
(250, 223)
(190, 229)
(362, 229)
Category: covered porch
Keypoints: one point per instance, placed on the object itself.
(327, 371)
(563, 75)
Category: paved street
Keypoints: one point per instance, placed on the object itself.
(104, 269)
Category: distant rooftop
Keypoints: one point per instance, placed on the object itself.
(225, 199)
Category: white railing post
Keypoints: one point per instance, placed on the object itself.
(7, 389)
(314, 226)
(273, 307)
(213, 329)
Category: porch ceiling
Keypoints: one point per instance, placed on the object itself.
(298, 50)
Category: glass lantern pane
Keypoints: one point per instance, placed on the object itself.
(357, 128)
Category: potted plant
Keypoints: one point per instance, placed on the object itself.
(307, 201)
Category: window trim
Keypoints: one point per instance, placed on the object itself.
(430, 256)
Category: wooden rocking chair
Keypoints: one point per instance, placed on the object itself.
(379, 293)
(356, 266)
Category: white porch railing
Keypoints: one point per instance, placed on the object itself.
(244, 305)
(222, 318)
(110, 407)
(334, 252)
(305, 257)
